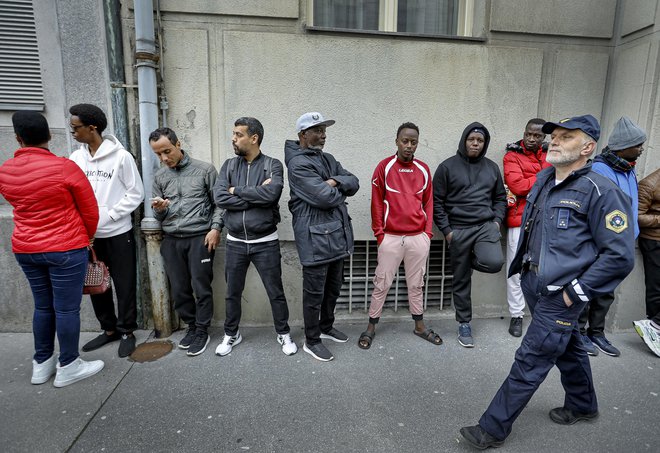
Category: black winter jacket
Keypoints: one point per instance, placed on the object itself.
(321, 224)
(252, 212)
(468, 192)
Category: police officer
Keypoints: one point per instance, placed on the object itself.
(576, 244)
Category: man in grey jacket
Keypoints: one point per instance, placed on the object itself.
(183, 203)
(324, 235)
(248, 188)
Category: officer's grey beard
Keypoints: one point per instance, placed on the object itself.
(563, 159)
(316, 147)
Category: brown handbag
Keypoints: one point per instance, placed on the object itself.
(97, 279)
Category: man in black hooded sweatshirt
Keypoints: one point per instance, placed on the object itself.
(469, 204)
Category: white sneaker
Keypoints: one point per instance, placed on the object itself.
(649, 334)
(288, 346)
(41, 372)
(227, 344)
(76, 371)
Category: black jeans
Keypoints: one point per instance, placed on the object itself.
(266, 258)
(321, 288)
(475, 247)
(651, 255)
(189, 268)
(594, 314)
(118, 253)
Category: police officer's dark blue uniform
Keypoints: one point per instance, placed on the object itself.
(576, 240)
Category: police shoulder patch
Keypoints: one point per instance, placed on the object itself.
(616, 221)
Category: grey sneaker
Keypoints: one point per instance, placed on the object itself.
(334, 335)
(318, 351)
(465, 335)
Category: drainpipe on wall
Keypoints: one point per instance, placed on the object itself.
(146, 63)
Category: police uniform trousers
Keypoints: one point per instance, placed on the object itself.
(552, 338)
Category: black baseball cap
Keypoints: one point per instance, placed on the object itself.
(586, 123)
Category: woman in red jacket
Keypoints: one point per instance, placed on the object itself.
(55, 216)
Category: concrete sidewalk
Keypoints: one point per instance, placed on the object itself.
(402, 395)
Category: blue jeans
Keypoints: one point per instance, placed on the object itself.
(266, 258)
(56, 280)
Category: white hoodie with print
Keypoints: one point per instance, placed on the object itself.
(116, 182)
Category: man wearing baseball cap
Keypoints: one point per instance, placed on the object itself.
(576, 244)
(319, 186)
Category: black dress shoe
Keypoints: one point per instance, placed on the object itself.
(479, 438)
(101, 340)
(565, 416)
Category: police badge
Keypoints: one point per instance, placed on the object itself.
(616, 221)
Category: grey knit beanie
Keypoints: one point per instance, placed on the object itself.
(625, 135)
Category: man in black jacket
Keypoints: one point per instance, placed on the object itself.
(322, 228)
(248, 188)
(468, 208)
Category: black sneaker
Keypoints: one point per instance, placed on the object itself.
(199, 344)
(126, 345)
(335, 335)
(101, 340)
(604, 345)
(479, 438)
(565, 416)
(589, 347)
(318, 351)
(515, 327)
(188, 338)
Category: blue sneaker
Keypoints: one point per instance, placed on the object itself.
(604, 345)
(465, 335)
(589, 346)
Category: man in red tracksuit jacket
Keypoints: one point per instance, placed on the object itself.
(402, 219)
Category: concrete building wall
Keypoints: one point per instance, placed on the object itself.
(222, 60)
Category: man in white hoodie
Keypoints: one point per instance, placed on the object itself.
(112, 172)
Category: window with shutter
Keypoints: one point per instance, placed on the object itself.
(21, 87)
